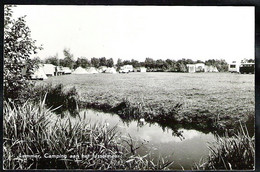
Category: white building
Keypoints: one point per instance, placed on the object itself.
(198, 67)
(191, 68)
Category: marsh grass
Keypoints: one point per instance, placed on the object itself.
(35, 138)
(235, 152)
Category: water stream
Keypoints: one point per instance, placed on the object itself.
(184, 147)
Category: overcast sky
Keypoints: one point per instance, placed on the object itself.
(137, 32)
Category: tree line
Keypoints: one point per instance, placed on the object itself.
(152, 65)
(68, 61)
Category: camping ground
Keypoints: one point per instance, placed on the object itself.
(225, 97)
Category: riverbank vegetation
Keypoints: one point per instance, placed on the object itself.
(235, 152)
(35, 139)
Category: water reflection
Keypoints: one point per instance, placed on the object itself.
(184, 148)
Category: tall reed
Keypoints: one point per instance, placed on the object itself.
(67, 99)
(231, 153)
(35, 138)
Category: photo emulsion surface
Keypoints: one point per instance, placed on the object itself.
(129, 87)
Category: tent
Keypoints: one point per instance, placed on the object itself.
(211, 68)
(142, 69)
(215, 69)
(102, 69)
(39, 73)
(110, 70)
(49, 69)
(66, 70)
(92, 70)
(80, 70)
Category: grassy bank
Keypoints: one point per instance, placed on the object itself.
(204, 97)
(172, 113)
(33, 140)
(68, 99)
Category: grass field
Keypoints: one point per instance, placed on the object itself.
(225, 97)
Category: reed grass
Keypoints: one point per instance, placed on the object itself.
(235, 152)
(35, 138)
(67, 99)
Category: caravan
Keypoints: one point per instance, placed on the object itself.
(234, 67)
(126, 69)
(247, 68)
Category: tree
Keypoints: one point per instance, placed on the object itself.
(95, 62)
(181, 66)
(211, 62)
(160, 64)
(171, 65)
(135, 63)
(68, 60)
(245, 60)
(149, 63)
(251, 60)
(110, 62)
(103, 61)
(199, 61)
(221, 65)
(119, 63)
(52, 60)
(83, 62)
(36, 60)
(126, 62)
(18, 48)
